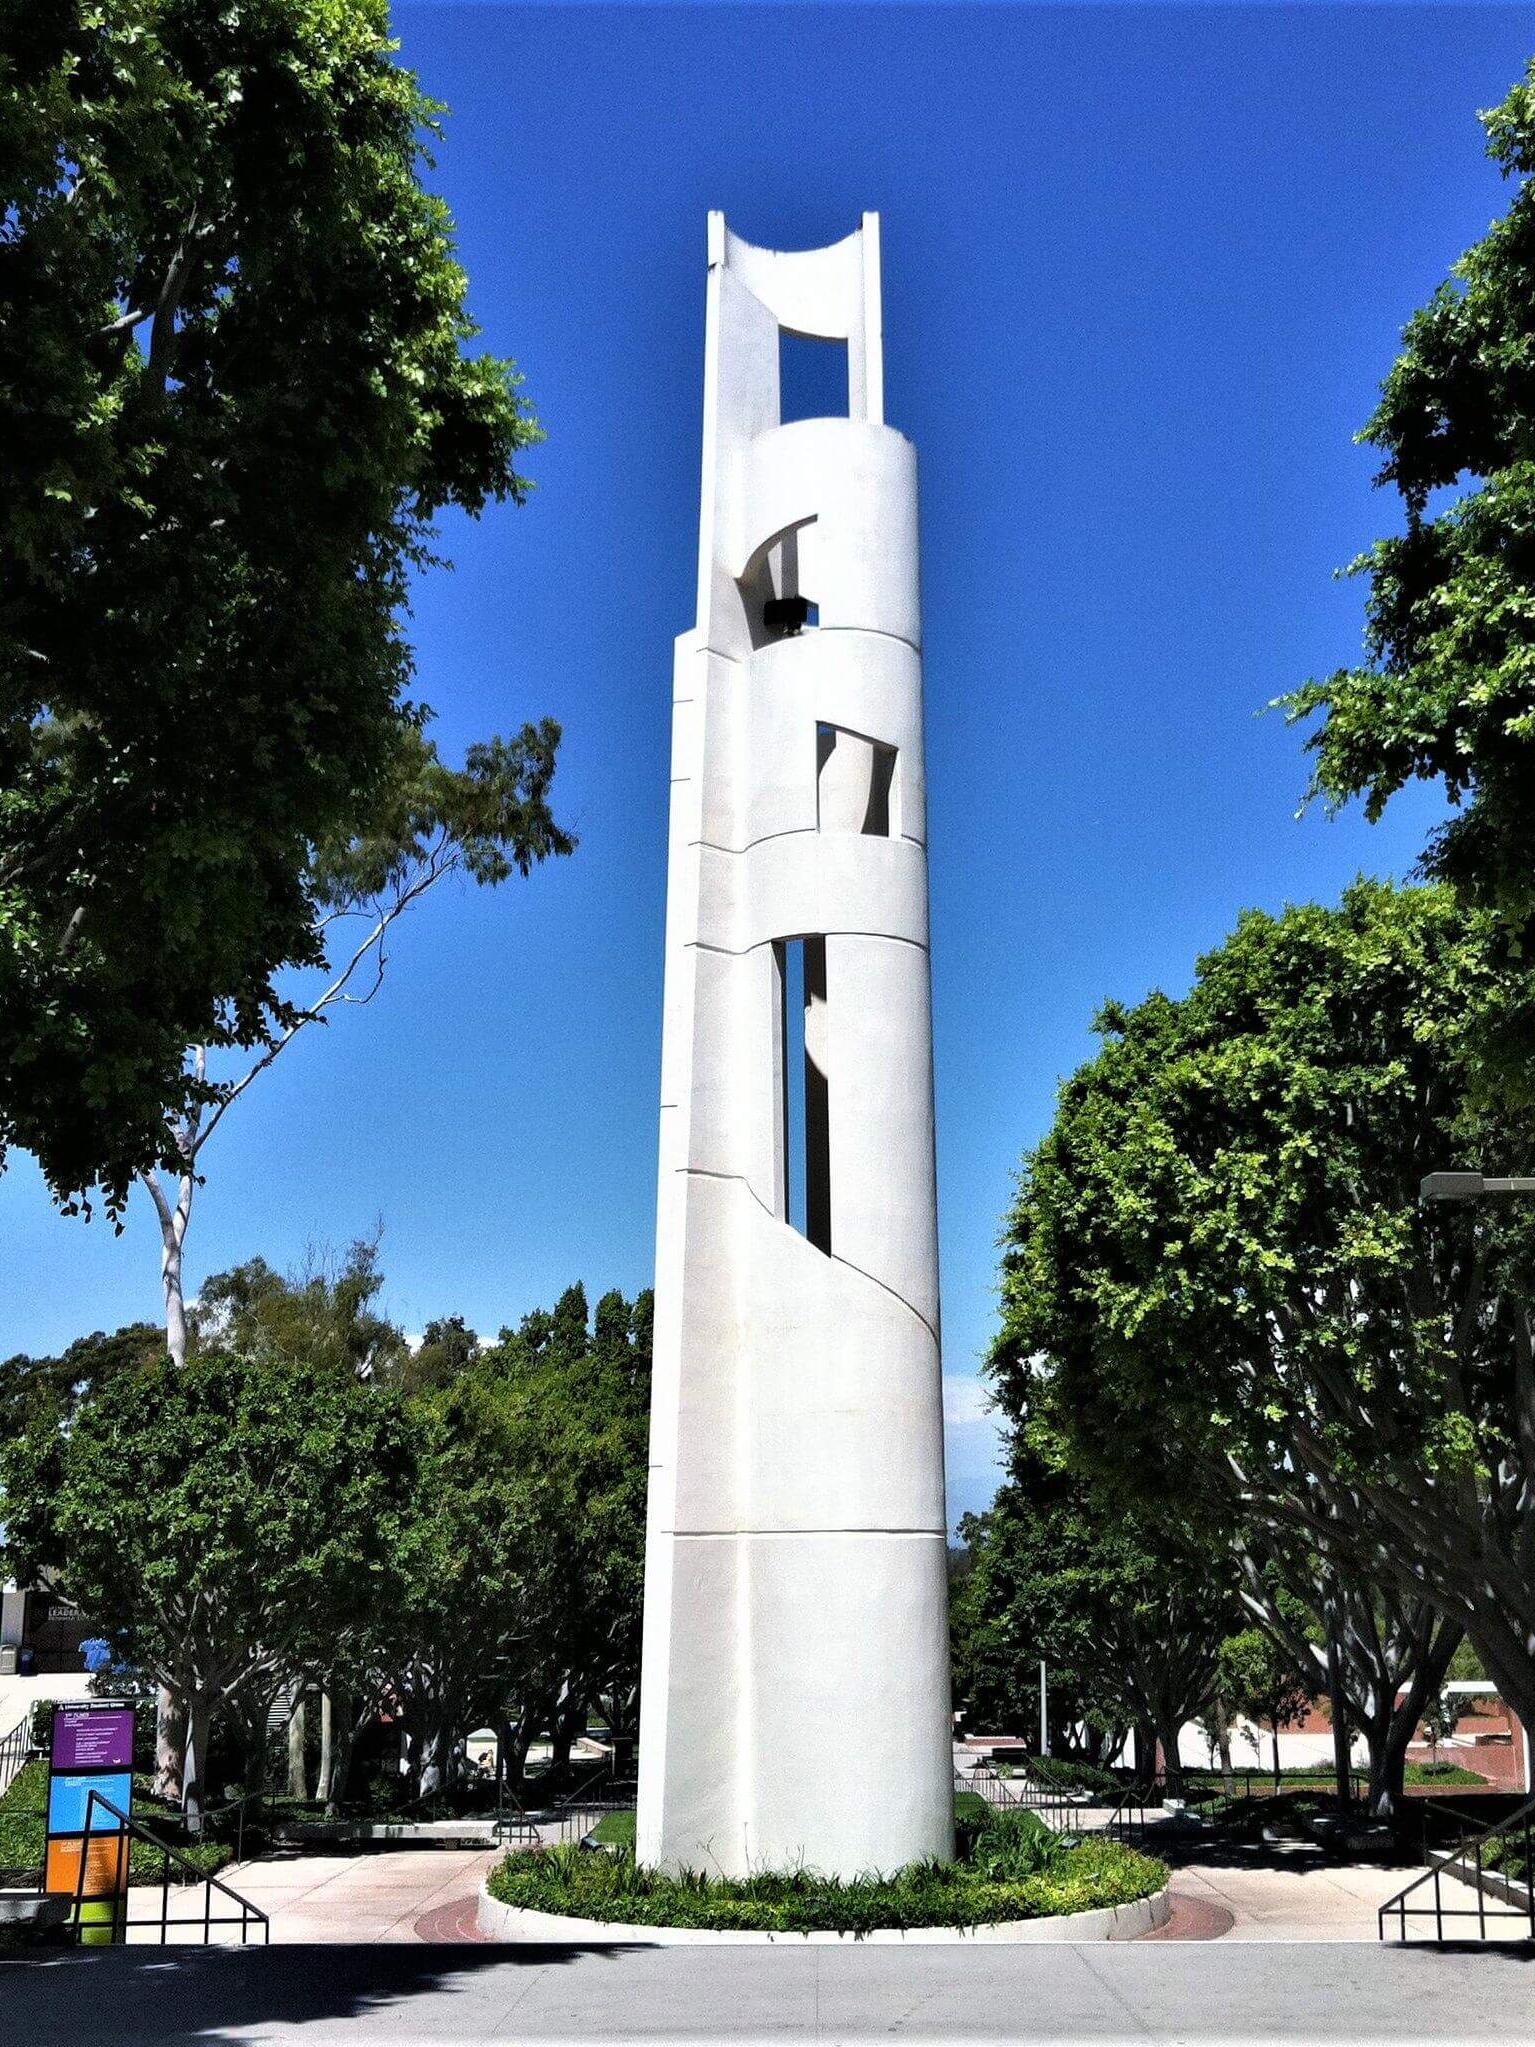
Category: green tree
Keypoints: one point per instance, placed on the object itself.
(234, 373)
(222, 1524)
(1447, 693)
(1127, 1615)
(1260, 1678)
(524, 1604)
(426, 824)
(1220, 1285)
(1383, 1651)
(323, 1319)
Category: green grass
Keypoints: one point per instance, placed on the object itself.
(1013, 1867)
(1299, 1778)
(23, 1809)
(614, 1830)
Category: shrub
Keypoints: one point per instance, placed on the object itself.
(1016, 1870)
(1059, 1775)
(23, 1810)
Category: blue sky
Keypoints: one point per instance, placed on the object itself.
(1144, 268)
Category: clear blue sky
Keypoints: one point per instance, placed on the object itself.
(1144, 268)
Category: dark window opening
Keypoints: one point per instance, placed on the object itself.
(805, 1194)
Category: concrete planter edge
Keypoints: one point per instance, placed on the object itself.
(515, 1923)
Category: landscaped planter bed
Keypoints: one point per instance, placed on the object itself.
(1013, 1880)
(1112, 1922)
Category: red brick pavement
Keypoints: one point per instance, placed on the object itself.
(453, 1922)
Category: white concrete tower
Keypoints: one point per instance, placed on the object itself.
(795, 1699)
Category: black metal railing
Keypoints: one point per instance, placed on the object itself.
(586, 1805)
(16, 1751)
(1056, 1808)
(1479, 1864)
(118, 1923)
(1127, 1821)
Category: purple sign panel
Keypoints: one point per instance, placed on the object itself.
(93, 1738)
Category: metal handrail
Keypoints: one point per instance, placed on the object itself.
(1058, 1811)
(1471, 1855)
(16, 1751)
(129, 1828)
(1132, 1800)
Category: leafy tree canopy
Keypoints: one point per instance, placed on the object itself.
(1221, 1286)
(233, 370)
(324, 1320)
(1448, 691)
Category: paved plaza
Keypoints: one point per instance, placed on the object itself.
(428, 1893)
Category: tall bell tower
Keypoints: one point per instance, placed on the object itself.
(795, 1697)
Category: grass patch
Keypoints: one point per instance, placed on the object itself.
(1258, 1784)
(1443, 1773)
(1013, 1867)
(23, 1815)
(614, 1830)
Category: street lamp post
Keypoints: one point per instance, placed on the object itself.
(1044, 1712)
(1458, 1186)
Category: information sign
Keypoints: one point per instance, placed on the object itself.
(91, 1750)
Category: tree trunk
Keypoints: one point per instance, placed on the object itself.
(1145, 1752)
(327, 1747)
(1169, 1726)
(194, 1792)
(170, 1744)
(345, 1729)
(1343, 1774)
(298, 1783)
(1223, 1745)
(1278, 1784)
(569, 1721)
(173, 1232)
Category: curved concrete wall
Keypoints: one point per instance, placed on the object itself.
(795, 1703)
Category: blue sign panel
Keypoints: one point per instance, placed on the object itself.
(69, 1794)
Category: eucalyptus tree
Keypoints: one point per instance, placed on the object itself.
(237, 376)
(1219, 1281)
(426, 824)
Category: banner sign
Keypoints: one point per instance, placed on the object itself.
(92, 1750)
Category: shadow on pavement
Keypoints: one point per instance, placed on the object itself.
(136, 1996)
(1216, 1851)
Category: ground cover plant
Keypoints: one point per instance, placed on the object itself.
(1297, 1776)
(1057, 1774)
(1011, 1867)
(23, 1807)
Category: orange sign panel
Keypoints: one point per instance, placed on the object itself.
(106, 1869)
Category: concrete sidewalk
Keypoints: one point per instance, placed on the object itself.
(372, 1896)
(1317, 1996)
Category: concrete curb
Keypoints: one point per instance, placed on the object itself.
(1111, 1922)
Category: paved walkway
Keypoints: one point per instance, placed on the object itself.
(371, 1896)
(18, 1695)
(1268, 1898)
(399, 1996)
(427, 1894)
